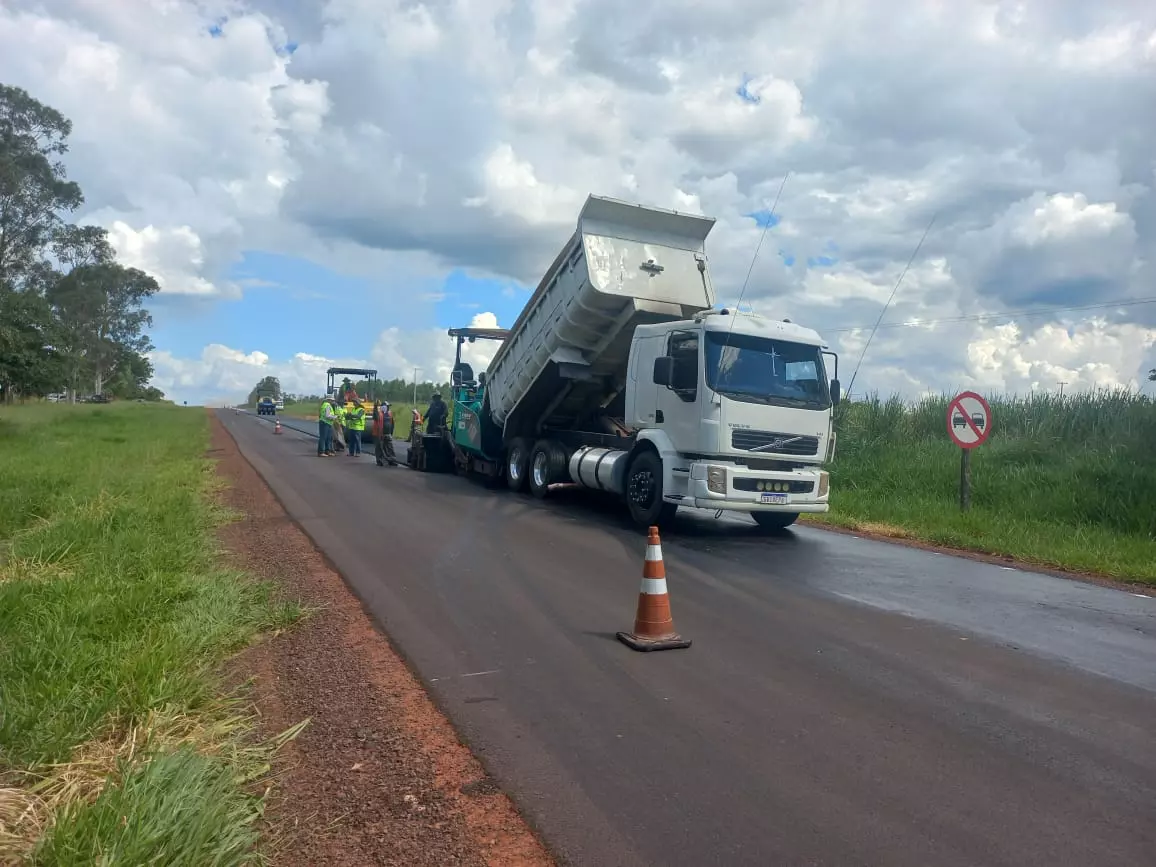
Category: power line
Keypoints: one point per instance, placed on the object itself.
(890, 298)
(981, 317)
(770, 221)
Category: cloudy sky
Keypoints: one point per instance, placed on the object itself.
(340, 181)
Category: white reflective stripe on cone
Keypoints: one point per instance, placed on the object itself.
(654, 586)
(653, 553)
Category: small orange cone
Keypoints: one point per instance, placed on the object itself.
(653, 625)
(277, 427)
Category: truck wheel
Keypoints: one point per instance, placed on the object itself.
(518, 464)
(771, 521)
(644, 492)
(547, 465)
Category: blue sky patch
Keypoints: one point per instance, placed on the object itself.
(290, 305)
(821, 261)
(764, 219)
(463, 296)
(744, 93)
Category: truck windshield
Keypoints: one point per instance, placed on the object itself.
(761, 370)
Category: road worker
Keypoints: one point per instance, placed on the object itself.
(338, 425)
(383, 434)
(354, 428)
(436, 414)
(326, 416)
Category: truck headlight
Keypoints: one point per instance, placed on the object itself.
(716, 480)
(824, 484)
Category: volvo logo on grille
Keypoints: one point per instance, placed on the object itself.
(775, 445)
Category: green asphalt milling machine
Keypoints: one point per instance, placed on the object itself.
(457, 446)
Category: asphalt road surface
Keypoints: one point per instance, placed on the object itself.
(845, 702)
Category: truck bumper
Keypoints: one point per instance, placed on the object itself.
(731, 487)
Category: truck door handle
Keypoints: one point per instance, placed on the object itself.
(658, 417)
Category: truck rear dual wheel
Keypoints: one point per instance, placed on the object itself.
(518, 465)
(644, 492)
(547, 467)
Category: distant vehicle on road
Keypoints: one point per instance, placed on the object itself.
(266, 406)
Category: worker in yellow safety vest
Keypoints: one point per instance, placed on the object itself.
(354, 427)
(326, 415)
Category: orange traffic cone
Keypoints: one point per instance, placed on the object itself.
(653, 625)
(277, 427)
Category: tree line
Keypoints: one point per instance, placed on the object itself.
(71, 316)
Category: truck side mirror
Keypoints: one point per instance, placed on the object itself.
(835, 394)
(664, 371)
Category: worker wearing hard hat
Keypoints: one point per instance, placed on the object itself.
(383, 434)
(326, 416)
(354, 428)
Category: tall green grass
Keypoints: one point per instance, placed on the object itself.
(113, 606)
(1068, 483)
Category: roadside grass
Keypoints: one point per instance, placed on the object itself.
(117, 742)
(1067, 484)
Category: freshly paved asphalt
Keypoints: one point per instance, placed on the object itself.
(845, 701)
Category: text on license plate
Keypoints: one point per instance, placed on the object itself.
(774, 499)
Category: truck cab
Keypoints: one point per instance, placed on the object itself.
(738, 408)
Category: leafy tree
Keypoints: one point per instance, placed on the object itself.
(68, 310)
(100, 307)
(34, 189)
(130, 381)
(29, 361)
(74, 246)
(1152, 375)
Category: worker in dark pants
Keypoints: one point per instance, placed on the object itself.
(436, 415)
(383, 434)
(354, 428)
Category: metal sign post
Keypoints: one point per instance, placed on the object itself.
(969, 426)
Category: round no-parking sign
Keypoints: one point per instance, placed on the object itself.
(968, 420)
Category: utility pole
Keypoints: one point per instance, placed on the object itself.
(1062, 384)
(415, 370)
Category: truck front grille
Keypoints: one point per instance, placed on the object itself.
(768, 442)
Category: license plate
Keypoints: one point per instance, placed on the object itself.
(774, 499)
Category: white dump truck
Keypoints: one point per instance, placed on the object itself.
(621, 375)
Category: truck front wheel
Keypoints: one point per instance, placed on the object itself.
(771, 521)
(518, 465)
(644, 492)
